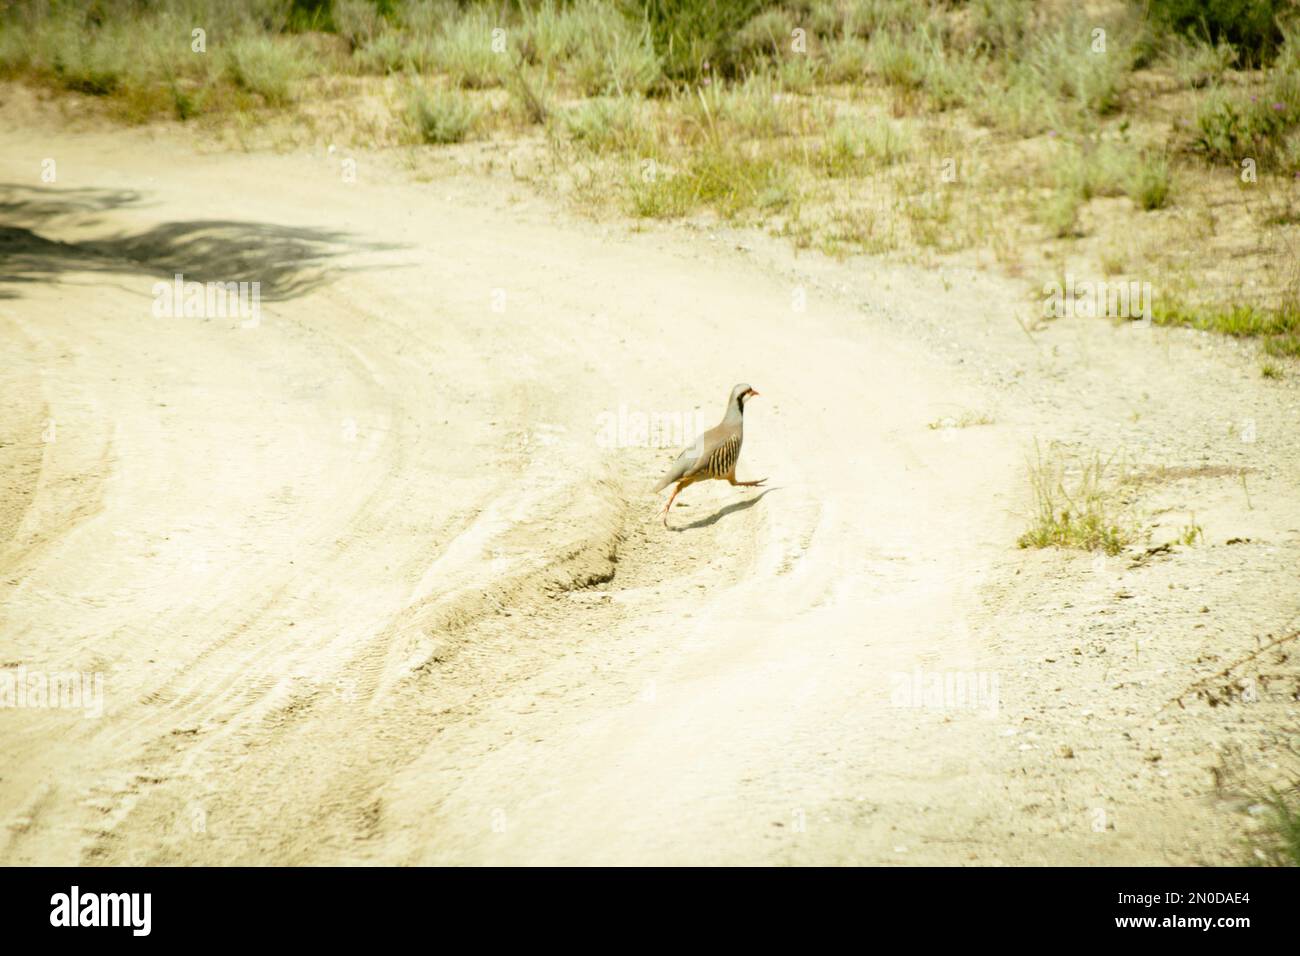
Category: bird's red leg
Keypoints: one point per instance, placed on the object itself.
(680, 486)
(745, 484)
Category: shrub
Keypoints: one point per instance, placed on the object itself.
(1060, 214)
(864, 18)
(393, 53)
(846, 60)
(1231, 127)
(1252, 26)
(694, 39)
(357, 21)
(899, 59)
(754, 108)
(92, 61)
(1000, 26)
(856, 147)
(263, 66)
(951, 79)
(441, 118)
(309, 15)
(1197, 64)
(464, 50)
(613, 55)
(1092, 169)
(766, 36)
(609, 124)
(1062, 62)
(1150, 182)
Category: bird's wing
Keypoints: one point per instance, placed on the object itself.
(686, 462)
(693, 457)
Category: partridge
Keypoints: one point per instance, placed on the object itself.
(712, 455)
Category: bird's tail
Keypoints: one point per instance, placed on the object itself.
(673, 474)
(683, 464)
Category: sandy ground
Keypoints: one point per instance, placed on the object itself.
(370, 582)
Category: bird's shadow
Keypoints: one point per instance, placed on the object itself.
(723, 512)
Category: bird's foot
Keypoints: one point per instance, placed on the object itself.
(751, 484)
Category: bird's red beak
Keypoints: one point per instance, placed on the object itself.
(752, 394)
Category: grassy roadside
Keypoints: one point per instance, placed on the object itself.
(1121, 141)
(1129, 142)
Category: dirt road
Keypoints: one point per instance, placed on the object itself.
(368, 580)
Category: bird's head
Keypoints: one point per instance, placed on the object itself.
(740, 395)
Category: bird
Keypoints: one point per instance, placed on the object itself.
(712, 455)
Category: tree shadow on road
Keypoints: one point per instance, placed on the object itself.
(287, 261)
(32, 205)
(721, 513)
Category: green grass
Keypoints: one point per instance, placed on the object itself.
(1149, 182)
(440, 117)
(1197, 64)
(1091, 169)
(1062, 60)
(899, 58)
(722, 178)
(1080, 172)
(1190, 534)
(753, 109)
(1279, 842)
(952, 77)
(358, 21)
(1077, 505)
(1278, 327)
(1059, 212)
(529, 97)
(609, 125)
(1017, 104)
(845, 60)
(395, 53)
(139, 60)
(1001, 26)
(615, 58)
(768, 36)
(856, 147)
(92, 65)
